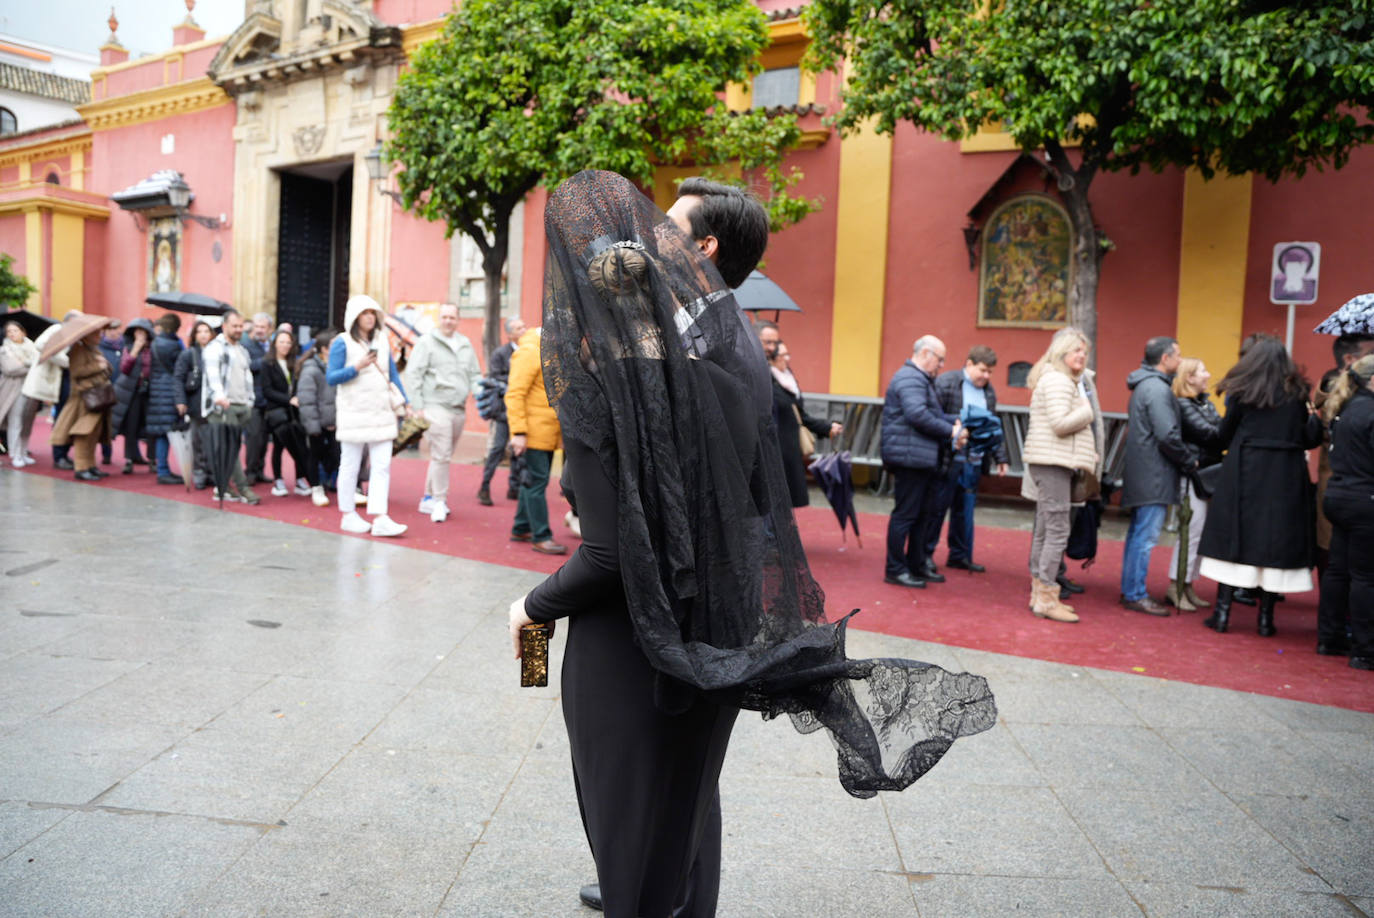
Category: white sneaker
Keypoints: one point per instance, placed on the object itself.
(573, 523)
(438, 511)
(229, 497)
(19, 462)
(427, 505)
(318, 497)
(279, 488)
(352, 522)
(303, 488)
(386, 526)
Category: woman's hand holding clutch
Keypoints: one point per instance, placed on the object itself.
(518, 619)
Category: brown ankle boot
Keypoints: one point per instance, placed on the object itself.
(1047, 604)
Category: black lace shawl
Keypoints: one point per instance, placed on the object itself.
(649, 362)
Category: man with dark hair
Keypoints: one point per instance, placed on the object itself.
(255, 434)
(963, 392)
(1155, 456)
(226, 394)
(728, 224)
(498, 372)
(769, 337)
(730, 227)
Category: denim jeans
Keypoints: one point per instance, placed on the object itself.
(161, 448)
(960, 536)
(1146, 521)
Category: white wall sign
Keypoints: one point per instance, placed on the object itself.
(1293, 277)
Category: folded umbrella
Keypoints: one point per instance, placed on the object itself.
(220, 443)
(833, 474)
(32, 323)
(180, 441)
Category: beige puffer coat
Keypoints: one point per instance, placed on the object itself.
(1061, 425)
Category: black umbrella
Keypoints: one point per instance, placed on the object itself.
(758, 294)
(197, 304)
(32, 323)
(832, 473)
(220, 443)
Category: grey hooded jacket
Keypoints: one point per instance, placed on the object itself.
(1155, 451)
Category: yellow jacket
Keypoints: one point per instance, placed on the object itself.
(527, 404)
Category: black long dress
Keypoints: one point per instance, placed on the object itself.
(789, 440)
(645, 780)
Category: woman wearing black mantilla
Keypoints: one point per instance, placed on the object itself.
(690, 596)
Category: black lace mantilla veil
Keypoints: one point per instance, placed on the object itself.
(649, 362)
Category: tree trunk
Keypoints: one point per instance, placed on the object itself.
(492, 265)
(1087, 263)
(1087, 247)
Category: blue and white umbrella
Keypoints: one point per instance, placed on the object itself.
(1354, 318)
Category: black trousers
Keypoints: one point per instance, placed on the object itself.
(324, 456)
(255, 440)
(646, 780)
(1347, 591)
(914, 491)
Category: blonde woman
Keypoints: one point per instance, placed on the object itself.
(1060, 442)
(1201, 426)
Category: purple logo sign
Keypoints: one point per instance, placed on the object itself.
(1294, 273)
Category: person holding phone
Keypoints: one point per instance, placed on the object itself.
(368, 396)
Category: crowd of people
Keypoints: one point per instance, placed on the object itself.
(1258, 524)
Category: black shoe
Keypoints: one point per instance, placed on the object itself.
(1264, 624)
(100, 474)
(128, 467)
(1068, 586)
(1362, 662)
(1334, 648)
(1221, 609)
(1245, 596)
(484, 497)
(512, 495)
(87, 475)
(170, 479)
(591, 896)
(138, 460)
(959, 564)
(906, 580)
(63, 465)
(930, 573)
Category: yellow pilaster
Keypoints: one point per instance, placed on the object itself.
(33, 257)
(861, 215)
(1211, 273)
(68, 263)
(78, 174)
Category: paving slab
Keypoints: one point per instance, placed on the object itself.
(296, 723)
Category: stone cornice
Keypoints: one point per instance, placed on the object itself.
(42, 196)
(46, 148)
(413, 36)
(153, 104)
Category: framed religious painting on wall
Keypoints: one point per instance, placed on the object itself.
(164, 255)
(1026, 266)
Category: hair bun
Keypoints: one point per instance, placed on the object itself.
(618, 270)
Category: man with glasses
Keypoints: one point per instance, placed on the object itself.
(918, 435)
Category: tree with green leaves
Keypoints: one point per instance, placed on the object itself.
(1234, 86)
(15, 289)
(515, 93)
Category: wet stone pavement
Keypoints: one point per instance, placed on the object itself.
(207, 714)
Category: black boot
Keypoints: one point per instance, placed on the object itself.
(1221, 609)
(1265, 623)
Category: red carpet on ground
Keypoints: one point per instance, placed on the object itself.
(983, 612)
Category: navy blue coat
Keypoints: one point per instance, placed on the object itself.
(257, 353)
(163, 391)
(915, 427)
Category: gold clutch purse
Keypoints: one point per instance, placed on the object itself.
(534, 655)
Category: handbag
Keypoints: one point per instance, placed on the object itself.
(99, 398)
(276, 416)
(397, 398)
(1084, 487)
(805, 438)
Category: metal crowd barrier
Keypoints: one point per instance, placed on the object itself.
(862, 420)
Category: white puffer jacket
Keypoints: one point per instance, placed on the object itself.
(43, 383)
(363, 403)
